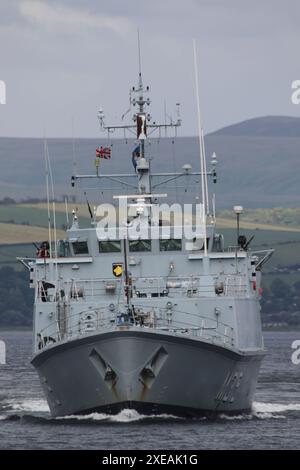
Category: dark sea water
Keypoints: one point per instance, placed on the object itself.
(25, 422)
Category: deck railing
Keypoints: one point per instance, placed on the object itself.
(191, 286)
(67, 327)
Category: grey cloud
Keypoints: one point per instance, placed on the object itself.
(66, 58)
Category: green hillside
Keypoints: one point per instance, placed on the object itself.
(258, 163)
(266, 126)
(282, 216)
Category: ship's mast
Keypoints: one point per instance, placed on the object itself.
(142, 127)
(137, 97)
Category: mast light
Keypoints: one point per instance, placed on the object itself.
(214, 160)
(238, 210)
(187, 168)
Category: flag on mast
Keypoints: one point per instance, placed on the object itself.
(141, 128)
(103, 152)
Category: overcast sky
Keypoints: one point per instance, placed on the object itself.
(62, 59)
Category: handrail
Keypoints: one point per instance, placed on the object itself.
(77, 289)
(267, 255)
(206, 327)
(23, 261)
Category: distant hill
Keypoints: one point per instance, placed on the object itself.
(267, 126)
(259, 162)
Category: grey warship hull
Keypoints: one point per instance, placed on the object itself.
(146, 371)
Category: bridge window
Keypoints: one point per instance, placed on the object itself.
(139, 245)
(110, 246)
(80, 248)
(63, 248)
(170, 245)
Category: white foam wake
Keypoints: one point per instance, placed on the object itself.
(124, 416)
(29, 405)
(260, 407)
(261, 410)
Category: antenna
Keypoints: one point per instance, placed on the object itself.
(165, 113)
(48, 196)
(53, 210)
(214, 206)
(205, 173)
(89, 207)
(73, 155)
(67, 211)
(202, 164)
(139, 52)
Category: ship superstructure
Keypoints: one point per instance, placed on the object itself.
(149, 311)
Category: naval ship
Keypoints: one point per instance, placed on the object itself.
(147, 310)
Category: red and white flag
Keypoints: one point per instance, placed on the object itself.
(103, 152)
